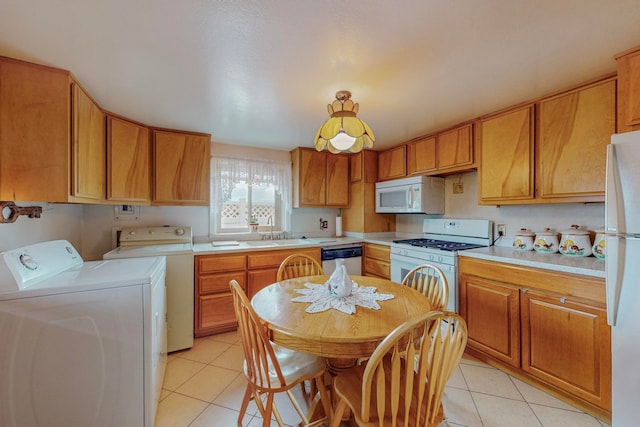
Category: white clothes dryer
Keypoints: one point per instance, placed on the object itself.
(176, 244)
(82, 343)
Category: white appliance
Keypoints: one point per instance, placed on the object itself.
(416, 194)
(83, 343)
(351, 253)
(622, 271)
(176, 244)
(442, 240)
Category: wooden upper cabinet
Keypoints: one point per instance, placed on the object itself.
(320, 179)
(629, 90)
(128, 162)
(392, 163)
(421, 156)
(455, 149)
(573, 131)
(88, 147)
(506, 163)
(180, 168)
(51, 136)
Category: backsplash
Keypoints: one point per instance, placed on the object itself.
(559, 216)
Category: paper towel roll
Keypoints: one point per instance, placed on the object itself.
(338, 226)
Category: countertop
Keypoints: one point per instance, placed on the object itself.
(261, 245)
(587, 266)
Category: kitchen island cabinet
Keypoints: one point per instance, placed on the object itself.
(320, 179)
(52, 143)
(253, 270)
(181, 166)
(545, 327)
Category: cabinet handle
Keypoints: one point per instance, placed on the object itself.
(524, 291)
(563, 300)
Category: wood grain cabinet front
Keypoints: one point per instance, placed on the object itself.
(320, 179)
(392, 163)
(181, 167)
(377, 260)
(128, 162)
(628, 90)
(213, 298)
(548, 328)
(52, 138)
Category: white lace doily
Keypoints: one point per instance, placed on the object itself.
(321, 299)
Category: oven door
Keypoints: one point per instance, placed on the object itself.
(401, 265)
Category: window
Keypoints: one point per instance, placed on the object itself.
(249, 192)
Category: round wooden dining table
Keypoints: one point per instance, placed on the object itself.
(341, 338)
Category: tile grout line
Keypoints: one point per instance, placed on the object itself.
(471, 395)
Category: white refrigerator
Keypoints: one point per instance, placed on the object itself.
(622, 267)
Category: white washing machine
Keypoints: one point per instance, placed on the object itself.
(82, 343)
(176, 244)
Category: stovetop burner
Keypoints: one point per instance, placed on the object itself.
(439, 244)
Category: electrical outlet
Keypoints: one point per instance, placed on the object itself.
(458, 188)
(502, 229)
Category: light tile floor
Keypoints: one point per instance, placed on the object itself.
(204, 386)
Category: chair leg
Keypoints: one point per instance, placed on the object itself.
(245, 403)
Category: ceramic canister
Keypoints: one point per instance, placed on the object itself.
(523, 240)
(598, 248)
(546, 241)
(575, 242)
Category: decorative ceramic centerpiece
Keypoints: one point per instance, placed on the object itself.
(339, 283)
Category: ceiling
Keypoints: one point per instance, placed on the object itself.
(261, 72)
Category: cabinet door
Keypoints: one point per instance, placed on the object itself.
(567, 344)
(35, 108)
(337, 180)
(312, 178)
(128, 162)
(491, 310)
(180, 168)
(392, 163)
(455, 149)
(421, 156)
(215, 314)
(629, 90)
(573, 132)
(505, 171)
(88, 154)
(261, 278)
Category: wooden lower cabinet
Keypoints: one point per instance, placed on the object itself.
(213, 299)
(376, 261)
(544, 327)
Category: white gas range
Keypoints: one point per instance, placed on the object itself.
(442, 240)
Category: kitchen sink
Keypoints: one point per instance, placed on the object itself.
(262, 243)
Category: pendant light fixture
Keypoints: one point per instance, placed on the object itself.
(344, 131)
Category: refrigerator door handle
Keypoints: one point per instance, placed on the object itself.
(613, 280)
(612, 196)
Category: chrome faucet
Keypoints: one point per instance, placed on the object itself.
(270, 222)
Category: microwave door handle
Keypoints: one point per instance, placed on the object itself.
(410, 197)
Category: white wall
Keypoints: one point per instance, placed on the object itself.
(560, 216)
(58, 221)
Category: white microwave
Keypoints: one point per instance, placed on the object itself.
(417, 194)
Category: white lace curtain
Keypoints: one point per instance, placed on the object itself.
(226, 172)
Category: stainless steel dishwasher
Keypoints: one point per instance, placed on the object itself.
(351, 253)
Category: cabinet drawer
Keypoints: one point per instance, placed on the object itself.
(380, 252)
(212, 264)
(377, 268)
(212, 283)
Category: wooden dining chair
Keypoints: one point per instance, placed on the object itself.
(390, 389)
(298, 265)
(272, 369)
(431, 282)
